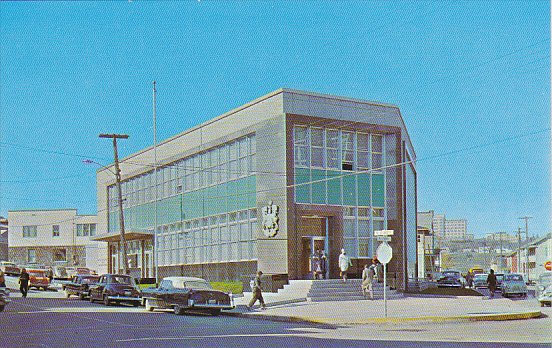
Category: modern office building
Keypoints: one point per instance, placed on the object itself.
(57, 237)
(446, 229)
(263, 186)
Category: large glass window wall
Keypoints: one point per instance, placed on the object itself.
(343, 167)
(199, 200)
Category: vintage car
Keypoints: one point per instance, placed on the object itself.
(499, 280)
(544, 289)
(60, 272)
(9, 268)
(80, 285)
(513, 284)
(115, 288)
(38, 279)
(186, 293)
(450, 279)
(480, 281)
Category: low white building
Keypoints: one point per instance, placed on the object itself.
(532, 258)
(55, 237)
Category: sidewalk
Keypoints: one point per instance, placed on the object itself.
(406, 309)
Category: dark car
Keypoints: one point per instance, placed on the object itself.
(186, 293)
(115, 288)
(451, 279)
(80, 285)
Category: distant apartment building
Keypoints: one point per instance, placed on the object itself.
(444, 228)
(55, 237)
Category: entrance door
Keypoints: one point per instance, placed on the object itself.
(313, 240)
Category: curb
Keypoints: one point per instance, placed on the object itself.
(329, 321)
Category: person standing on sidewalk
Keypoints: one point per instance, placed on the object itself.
(367, 281)
(2, 280)
(344, 263)
(491, 282)
(257, 292)
(24, 282)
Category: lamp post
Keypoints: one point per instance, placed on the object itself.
(119, 195)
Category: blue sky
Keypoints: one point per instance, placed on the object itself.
(472, 80)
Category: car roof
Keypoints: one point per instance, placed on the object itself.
(184, 279)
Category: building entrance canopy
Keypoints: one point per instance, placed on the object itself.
(129, 235)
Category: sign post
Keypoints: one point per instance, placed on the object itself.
(384, 253)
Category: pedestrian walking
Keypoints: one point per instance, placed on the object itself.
(491, 282)
(50, 274)
(323, 263)
(469, 279)
(257, 292)
(2, 279)
(379, 268)
(315, 266)
(24, 282)
(344, 263)
(368, 281)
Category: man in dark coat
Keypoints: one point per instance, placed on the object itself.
(24, 282)
(491, 282)
(257, 294)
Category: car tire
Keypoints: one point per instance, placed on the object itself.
(542, 304)
(2, 308)
(91, 299)
(135, 303)
(148, 306)
(67, 294)
(106, 301)
(215, 312)
(178, 310)
(81, 296)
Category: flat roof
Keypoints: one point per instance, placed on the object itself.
(256, 101)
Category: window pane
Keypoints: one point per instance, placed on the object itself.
(349, 228)
(350, 247)
(332, 160)
(377, 143)
(317, 137)
(364, 228)
(376, 161)
(317, 158)
(362, 142)
(300, 136)
(332, 138)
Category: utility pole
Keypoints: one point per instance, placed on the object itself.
(155, 251)
(519, 250)
(120, 195)
(526, 218)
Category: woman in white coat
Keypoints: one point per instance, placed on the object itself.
(344, 263)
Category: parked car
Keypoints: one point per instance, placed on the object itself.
(480, 281)
(452, 279)
(60, 272)
(115, 288)
(80, 285)
(513, 284)
(73, 271)
(544, 289)
(499, 279)
(9, 268)
(38, 279)
(186, 293)
(4, 294)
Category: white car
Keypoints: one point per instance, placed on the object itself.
(544, 289)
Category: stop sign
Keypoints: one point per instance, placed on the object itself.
(548, 265)
(384, 253)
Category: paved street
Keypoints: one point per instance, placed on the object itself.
(46, 321)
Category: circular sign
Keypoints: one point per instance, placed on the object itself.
(548, 265)
(384, 253)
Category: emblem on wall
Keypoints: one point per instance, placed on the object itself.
(270, 220)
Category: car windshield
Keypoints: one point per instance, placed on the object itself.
(36, 274)
(451, 274)
(194, 284)
(121, 280)
(89, 280)
(499, 277)
(480, 276)
(514, 277)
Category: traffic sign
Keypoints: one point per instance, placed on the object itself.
(384, 253)
(548, 265)
(383, 233)
(383, 238)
